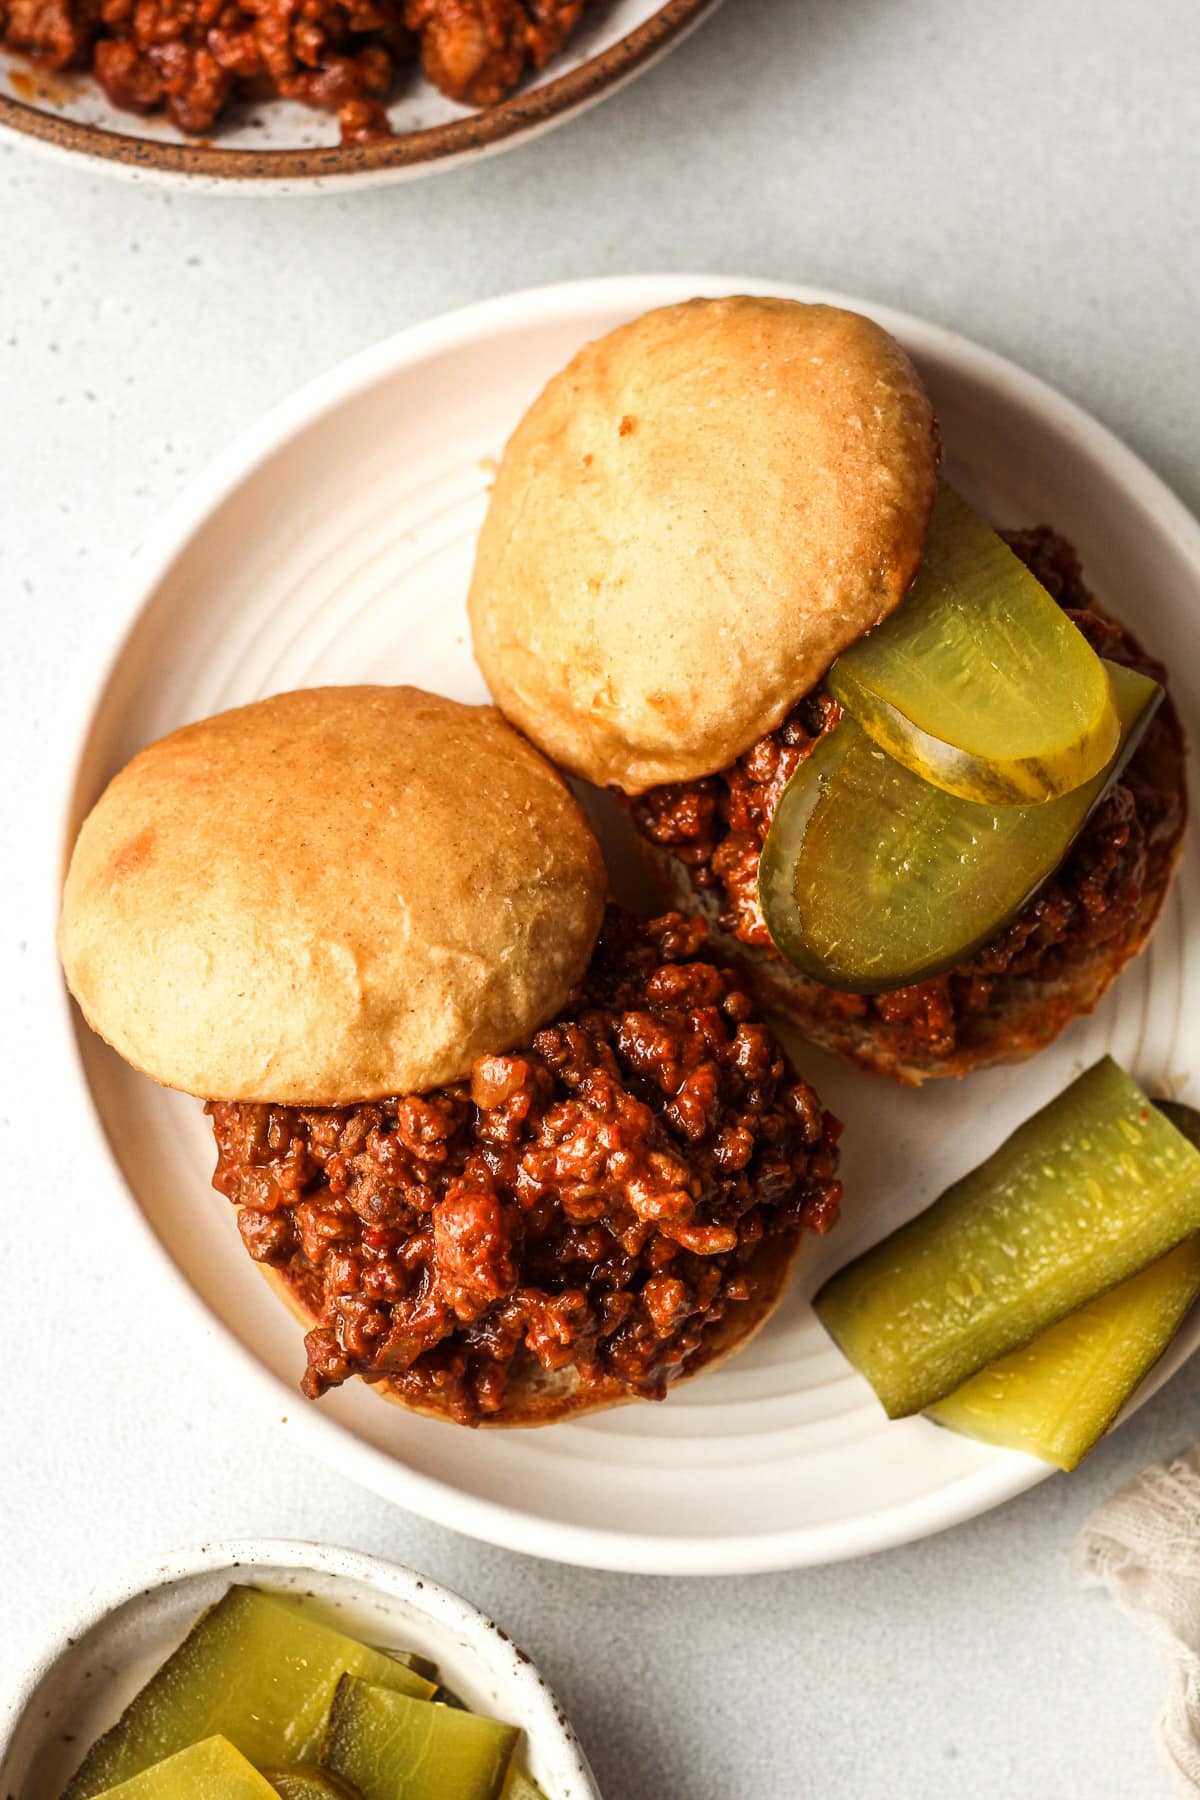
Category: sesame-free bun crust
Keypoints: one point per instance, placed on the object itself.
(538, 1396)
(328, 897)
(698, 513)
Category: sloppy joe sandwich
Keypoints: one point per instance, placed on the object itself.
(510, 1153)
(929, 794)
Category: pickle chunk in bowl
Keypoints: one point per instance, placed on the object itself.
(104, 1656)
(210, 1770)
(254, 1669)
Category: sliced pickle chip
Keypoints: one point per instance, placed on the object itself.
(420, 1665)
(304, 1781)
(520, 1786)
(872, 878)
(210, 1770)
(394, 1748)
(1056, 1397)
(1083, 1195)
(257, 1669)
(979, 682)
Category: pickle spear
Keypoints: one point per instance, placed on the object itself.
(979, 682)
(1083, 1195)
(872, 878)
(209, 1770)
(395, 1748)
(256, 1669)
(1056, 1397)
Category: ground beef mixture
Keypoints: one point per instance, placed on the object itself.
(717, 827)
(592, 1200)
(191, 58)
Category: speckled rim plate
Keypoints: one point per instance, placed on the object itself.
(285, 563)
(533, 109)
(100, 1655)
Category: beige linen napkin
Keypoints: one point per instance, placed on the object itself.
(1143, 1545)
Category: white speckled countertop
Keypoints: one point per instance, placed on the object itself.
(1024, 173)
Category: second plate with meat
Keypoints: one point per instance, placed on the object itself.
(259, 116)
(334, 545)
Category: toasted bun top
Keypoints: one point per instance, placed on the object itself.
(690, 523)
(328, 897)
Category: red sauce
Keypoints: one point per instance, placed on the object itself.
(593, 1199)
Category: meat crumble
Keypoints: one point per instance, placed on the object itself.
(592, 1200)
(717, 827)
(190, 59)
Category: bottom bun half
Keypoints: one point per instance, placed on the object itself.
(539, 1396)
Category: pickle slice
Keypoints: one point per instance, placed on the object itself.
(979, 682)
(210, 1770)
(520, 1786)
(258, 1670)
(872, 878)
(1083, 1195)
(303, 1781)
(395, 1748)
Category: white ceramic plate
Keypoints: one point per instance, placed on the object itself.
(99, 1659)
(280, 146)
(333, 544)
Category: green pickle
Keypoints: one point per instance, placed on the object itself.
(1090, 1190)
(394, 1748)
(303, 1781)
(871, 878)
(979, 682)
(1056, 1397)
(257, 1669)
(210, 1770)
(520, 1786)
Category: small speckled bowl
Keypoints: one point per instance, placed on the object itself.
(100, 1659)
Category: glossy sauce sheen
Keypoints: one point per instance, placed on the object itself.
(592, 1200)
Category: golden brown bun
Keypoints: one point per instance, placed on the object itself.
(1023, 1016)
(538, 1396)
(329, 896)
(690, 523)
